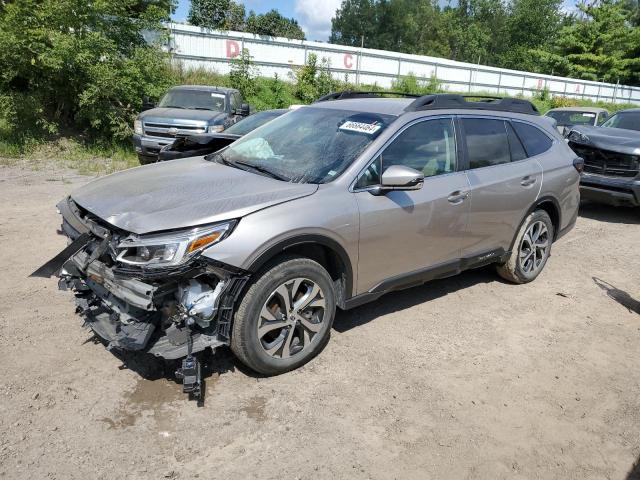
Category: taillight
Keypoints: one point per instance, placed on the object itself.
(578, 164)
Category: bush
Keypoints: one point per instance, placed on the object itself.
(411, 84)
(243, 73)
(81, 66)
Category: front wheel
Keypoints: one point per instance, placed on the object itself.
(285, 317)
(531, 249)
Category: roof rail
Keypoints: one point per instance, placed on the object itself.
(361, 94)
(441, 101)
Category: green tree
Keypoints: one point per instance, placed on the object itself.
(217, 14)
(273, 24)
(83, 65)
(243, 73)
(599, 44)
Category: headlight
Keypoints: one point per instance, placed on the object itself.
(171, 249)
(578, 137)
(137, 127)
(215, 128)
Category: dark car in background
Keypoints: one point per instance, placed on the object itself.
(567, 117)
(183, 111)
(203, 144)
(611, 156)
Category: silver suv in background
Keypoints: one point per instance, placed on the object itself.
(183, 111)
(329, 206)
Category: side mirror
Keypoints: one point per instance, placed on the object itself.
(147, 104)
(399, 177)
(244, 110)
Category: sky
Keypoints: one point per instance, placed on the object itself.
(314, 16)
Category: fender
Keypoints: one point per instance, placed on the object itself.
(312, 239)
(538, 201)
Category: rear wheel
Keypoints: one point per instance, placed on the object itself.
(531, 249)
(285, 318)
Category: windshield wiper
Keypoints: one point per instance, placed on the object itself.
(204, 108)
(239, 164)
(173, 106)
(261, 169)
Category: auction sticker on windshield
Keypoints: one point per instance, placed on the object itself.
(368, 128)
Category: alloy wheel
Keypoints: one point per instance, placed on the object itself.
(291, 318)
(534, 247)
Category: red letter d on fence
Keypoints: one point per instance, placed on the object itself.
(233, 49)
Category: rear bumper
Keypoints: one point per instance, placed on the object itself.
(610, 190)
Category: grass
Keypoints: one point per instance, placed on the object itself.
(68, 153)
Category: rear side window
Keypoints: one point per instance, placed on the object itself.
(487, 142)
(515, 145)
(535, 142)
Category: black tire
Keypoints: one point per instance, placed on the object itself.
(245, 341)
(512, 270)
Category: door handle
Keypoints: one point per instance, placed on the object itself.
(527, 181)
(458, 196)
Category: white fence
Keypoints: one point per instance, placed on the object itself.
(196, 47)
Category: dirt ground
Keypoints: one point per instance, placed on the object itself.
(467, 377)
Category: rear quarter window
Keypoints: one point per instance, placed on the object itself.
(535, 141)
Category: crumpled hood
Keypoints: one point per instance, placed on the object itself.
(614, 139)
(180, 115)
(182, 194)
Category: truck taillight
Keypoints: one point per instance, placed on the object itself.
(578, 164)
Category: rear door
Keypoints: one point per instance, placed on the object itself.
(503, 180)
(405, 233)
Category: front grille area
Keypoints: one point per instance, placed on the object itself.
(165, 130)
(606, 162)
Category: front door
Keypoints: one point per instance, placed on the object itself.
(404, 232)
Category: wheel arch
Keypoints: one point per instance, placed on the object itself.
(550, 205)
(324, 250)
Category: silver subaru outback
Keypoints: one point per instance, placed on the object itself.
(328, 206)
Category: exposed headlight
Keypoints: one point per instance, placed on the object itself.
(215, 128)
(578, 137)
(137, 126)
(171, 249)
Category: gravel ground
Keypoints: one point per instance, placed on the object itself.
(467, 377)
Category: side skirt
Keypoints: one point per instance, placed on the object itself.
(418, 277)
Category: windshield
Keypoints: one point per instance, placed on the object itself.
(573, 118)
(626, 120)
(308, 145)
(253, 121)
(193, 99)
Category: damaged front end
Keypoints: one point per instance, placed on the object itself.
(151, 293)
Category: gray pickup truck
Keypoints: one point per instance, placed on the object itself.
(183, 111)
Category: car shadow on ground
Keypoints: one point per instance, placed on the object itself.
(634, 473)
(396, 301)
(620, 296)
(611, 214)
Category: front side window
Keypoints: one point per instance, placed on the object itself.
(428, 147)
(487, 142)
(626, 120)
(535, 142)
(308, 145)
(193, 100)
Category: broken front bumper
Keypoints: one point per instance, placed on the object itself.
(137, 310)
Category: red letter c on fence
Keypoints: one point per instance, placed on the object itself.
(233, 49)
(348, 60)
